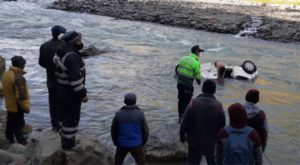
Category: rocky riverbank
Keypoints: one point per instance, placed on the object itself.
(43, 147)
(277, 23)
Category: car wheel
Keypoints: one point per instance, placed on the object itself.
(249, 67)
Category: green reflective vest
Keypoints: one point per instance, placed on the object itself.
(188, 70)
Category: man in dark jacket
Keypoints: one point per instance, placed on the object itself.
(70, 77)
(202, 120)
(129, 131)
(47, 51)
(256, 117)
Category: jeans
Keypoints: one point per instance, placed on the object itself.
(14, 125)
(136, 152)
(195, 155)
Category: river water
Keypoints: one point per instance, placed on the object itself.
(141, 59)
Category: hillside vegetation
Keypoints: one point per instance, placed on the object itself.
(287, 2)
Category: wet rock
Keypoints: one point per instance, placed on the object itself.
(2, 66)
(164, 145)
(92, 50)
(16, 148)
(2, 70)
(45, 148)
(10, 158)
(2, 124)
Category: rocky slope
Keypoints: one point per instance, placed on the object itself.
(278, 23)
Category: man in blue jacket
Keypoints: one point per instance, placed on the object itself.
(129, 131)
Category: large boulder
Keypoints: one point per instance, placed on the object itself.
(2, 70)
(2, 124)
(11, 158)
(92, 50)
(45, 148)
(2, 66)
(164, 145)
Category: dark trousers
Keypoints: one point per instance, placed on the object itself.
(53, 101)
(70, 106)
(14, 125)
(195, 155)
(136, 152)
(185, 95)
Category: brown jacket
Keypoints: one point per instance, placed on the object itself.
(15, 90)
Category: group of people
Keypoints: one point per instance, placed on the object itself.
(202, 119)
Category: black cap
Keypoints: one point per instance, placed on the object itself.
(209, 87)
(18, 61)
(58, 30)
(72, 36)
(196, 48)
(130, 99)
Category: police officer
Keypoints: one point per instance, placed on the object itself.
(47, 51)
(70, 77)
(187, 70)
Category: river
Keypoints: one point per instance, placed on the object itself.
(141, 59)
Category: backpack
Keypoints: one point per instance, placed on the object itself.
(238, 148)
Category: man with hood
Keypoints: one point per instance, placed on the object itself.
(256, 117)
(47, 52)
(70, 78)
(238, 143)
(129, 131)
(202, 119)
(17, 100)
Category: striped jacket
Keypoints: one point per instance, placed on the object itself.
(70, 70)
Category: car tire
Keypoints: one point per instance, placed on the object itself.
(249, 67)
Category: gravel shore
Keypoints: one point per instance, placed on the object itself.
(239, 17)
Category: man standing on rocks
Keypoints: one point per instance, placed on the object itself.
(70, 77)
(202, 120)
(17, 101)
(238, 143)
(129, 131)
(47, 52)
(187, 70)
(256, 117)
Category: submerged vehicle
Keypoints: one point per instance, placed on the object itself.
(246, 71)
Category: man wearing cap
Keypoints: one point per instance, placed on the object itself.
(203, 118)
(256, 117)
(70, 78)
(47, 51)
(129, 131)
(187, 70)
(17, 101)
